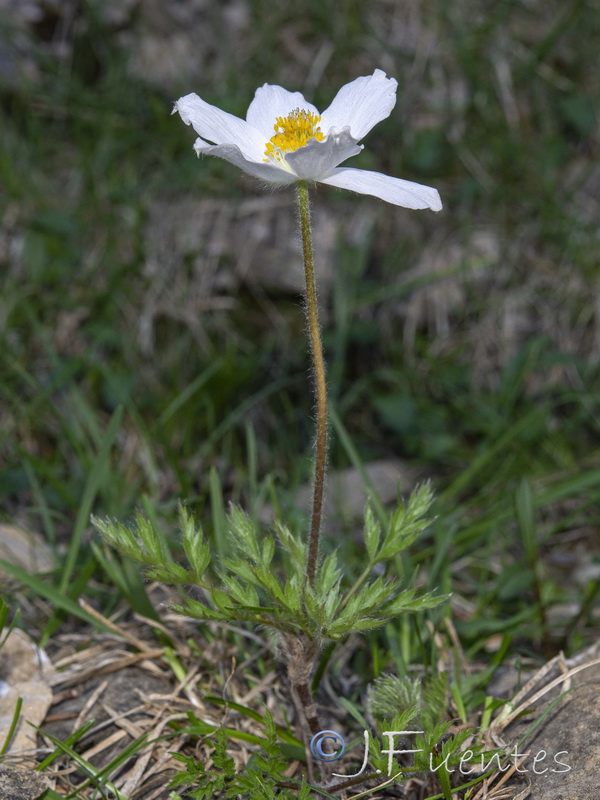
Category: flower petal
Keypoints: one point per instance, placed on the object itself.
(270, 102)
(264, 171)
(392, 190)
(316, 159)
(218, 126)
(361, 104)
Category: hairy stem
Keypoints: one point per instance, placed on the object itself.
(318, 364)
(308, 706)
(300, 653)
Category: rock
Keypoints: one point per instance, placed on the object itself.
(564, 760)
(25, 549)
(20, 783)
(24, 673)
(200, 252)
(345, 495)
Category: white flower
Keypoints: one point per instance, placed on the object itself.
(284, 138)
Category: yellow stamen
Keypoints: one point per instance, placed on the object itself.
(293, 132)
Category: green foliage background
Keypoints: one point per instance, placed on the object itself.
(464, 344)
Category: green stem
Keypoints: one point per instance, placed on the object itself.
(356, 586)
(318, 362)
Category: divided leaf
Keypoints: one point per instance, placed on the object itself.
(243, 532)
(294, 546)
(372, 532)
(407, 523)
(196, 549)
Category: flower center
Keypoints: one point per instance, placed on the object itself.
(291, 133)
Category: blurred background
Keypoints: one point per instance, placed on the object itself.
(461, 346)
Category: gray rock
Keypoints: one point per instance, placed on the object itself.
(20, 783)
(564, 760)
